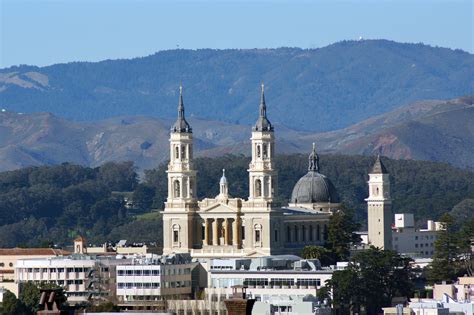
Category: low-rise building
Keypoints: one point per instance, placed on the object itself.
(9, 257)
(84, 277)
(145, 281)
(411, 241)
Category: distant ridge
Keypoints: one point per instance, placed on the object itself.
(436, 130)
(307, 89)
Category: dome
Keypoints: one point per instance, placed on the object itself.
(314, 187)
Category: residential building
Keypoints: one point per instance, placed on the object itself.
(146, 282)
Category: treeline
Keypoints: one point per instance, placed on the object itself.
(427, 189)
(42, 205)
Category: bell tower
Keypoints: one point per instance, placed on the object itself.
(181, 202)
(379, 207)
(262, 176)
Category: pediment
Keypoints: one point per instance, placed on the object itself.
(219, 207)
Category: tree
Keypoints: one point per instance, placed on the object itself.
(446, 257)
(30, 296)
(372, 279)
(317, 252)
(12, 306)
(341, 234)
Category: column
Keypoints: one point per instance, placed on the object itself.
(226, 231)
(215, 233)
(236, 232)
(206, 232)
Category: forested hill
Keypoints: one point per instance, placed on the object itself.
(311, 89)
(39, 205)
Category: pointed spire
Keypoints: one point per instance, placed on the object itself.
(313, 165)
(263, 106)
(378, 167)
(181, 125)
(263, 124)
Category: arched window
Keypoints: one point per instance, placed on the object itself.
(177, 188)
(191, 188)
(176, 152)
(183, 152)
(258, 151)
(296, 234)
(176, 229)
(258, 188)
(265, 151)
(258, 233)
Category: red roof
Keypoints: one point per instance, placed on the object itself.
(33, 252)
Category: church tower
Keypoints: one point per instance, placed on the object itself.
(261, 218)
(262, 176)
(379, 207)
(181, 203)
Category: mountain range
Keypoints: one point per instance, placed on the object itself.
(317, 90)
(438, 130)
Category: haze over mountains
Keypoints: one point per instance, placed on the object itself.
(427, 130)
(316, 89)
(353, 97)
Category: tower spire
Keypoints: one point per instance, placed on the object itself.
(313, 165)
(263, 124)
(181, 125)
(378, 167)
(224, 189)
(263, 106)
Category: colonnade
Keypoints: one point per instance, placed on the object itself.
(305, 232)
(226, 228)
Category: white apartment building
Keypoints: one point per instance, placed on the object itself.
(283, 283)
(407, 239)
(144, 281)
(83, 277)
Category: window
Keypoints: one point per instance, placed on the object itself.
(2, 264)
(311, 233)
(295, 239)
(257, 236)
(203, 232)
(175, 236)
(183, 152)
(276, 235)
(303, 233)
(177, 188)
(318, 233)
(242, 232)
(258, 151)
(258, 188)
(265, 151)
(176, 153)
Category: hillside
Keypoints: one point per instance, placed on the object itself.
(425, 130)
(312, 89)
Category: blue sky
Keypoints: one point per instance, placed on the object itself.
(41, 32)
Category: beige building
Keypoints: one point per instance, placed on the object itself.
(10, 256)
(225, 226)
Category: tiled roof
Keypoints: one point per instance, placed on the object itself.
(32, 252)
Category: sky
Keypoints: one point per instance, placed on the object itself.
(38, 32)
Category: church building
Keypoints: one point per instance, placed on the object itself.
(256, 226)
